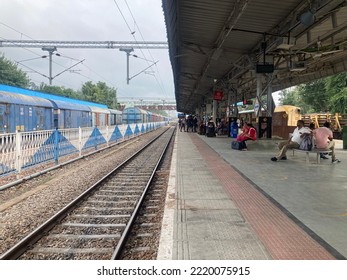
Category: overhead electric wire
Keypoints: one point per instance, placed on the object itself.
(160, 83)
(132, 31)
(54, 62)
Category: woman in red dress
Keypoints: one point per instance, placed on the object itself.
(248, 133)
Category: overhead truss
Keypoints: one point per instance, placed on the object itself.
(84, 44)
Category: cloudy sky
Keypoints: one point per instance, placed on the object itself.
(91, 20)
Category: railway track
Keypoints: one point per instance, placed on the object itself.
(96, 224)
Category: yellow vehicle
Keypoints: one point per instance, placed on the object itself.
(284, 119)
(290, 114)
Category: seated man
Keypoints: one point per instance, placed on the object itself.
(211, 128)
(293, 142)
(248, 133)
(324, 140)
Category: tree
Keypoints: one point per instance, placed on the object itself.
(336, 88)
(288, 97)
(320, 96)
(293, 97)
(11, 75)
(56, 90)
(89, 92)
(315, 96)
(100, 93)
(339, 102)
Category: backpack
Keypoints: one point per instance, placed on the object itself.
(235, 145)
(306, 143)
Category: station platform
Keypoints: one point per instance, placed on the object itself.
(226, 204)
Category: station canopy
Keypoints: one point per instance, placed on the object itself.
(223, 45)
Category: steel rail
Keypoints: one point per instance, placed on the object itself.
(22, 246)
(125, 234)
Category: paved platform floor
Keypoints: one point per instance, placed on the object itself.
(228, 204)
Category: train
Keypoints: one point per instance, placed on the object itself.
(137, 115)
(26, 110)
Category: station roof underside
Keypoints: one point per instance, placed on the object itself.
(224, 44)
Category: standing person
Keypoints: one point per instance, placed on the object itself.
(183, 124)
(324, 140)
(248, 133)
(293, 142)
(195, 123)
(190, 123)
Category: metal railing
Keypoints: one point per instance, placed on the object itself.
(24, 149)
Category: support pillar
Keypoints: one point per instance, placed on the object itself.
(214, 110)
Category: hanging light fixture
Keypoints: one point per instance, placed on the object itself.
(307, 18)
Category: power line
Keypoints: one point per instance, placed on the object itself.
(84, 44)
(38, 55)
(122, 15)
(159, 82)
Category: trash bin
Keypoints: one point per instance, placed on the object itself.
(344, 137)
(234, 129)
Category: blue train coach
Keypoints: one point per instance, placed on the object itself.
(115, 117)
(24, 113)
(135, 115)
(69, 115)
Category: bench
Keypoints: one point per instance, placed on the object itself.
(313, 151)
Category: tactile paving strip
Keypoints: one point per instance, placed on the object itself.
(281, 236)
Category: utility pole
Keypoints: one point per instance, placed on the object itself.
(50, 51)
(128, 51)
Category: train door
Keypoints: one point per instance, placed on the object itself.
(59, 118)
(84, 119)
(68, 119)
(75, 119)
(30, 122)
(18, 118)
(40, 119)
(107, 122)
(90, 119)
(111, 118)
(4, 125)
(81, 119)
(48, 118)
(97, 119)
(103, 119)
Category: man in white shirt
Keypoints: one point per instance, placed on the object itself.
(293, 142)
